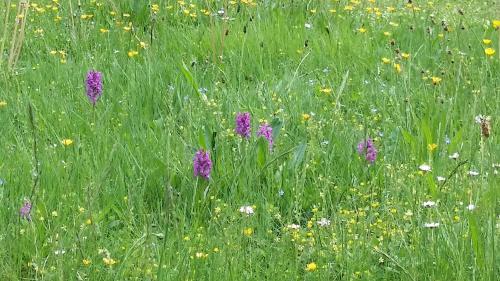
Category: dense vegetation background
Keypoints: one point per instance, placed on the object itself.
(109, 191)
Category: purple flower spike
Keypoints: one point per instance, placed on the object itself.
(243, 124)
(266, 131)
(368, 150)
(94, 86)
(202, 164)
(25, 211)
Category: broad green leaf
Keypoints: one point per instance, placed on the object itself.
(190, 79)
(202, 140)
(262, 150)
(298, 155)
(276, 124)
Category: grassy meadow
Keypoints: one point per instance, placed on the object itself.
(373, 150)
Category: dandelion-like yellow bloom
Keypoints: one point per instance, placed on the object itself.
(67, 142)
(431, 147)
(397, 67)
(405, 56)
(86, 262)
(104, 30)
(108, 261)
(496, 24)
(312, 266)
(306, 117)
(132, 53)
(486, 41)
(386, 60)
(248, 231)
(489, 52)
(155, 8)
(362, 30)
(436, 80)
(325, 90)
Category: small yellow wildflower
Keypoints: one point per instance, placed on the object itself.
(397, 67)
(104, 30)
(312, 266)
(86, 17)
(387, 33)
(436, 80)
(155, 8)
(489, 52)
(67, 142)
(486, 41)
(201, 255)
(132, 53)
(86, 262)
(88, 222)
(143, 45)
(3, 104)
(248, 231)
(306, 117)
(431, 147)
(386, 60)
(405, 56)
(326, 90)
(362, 30)
(496, 24)
(108, 261)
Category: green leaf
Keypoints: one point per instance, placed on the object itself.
(190, 79)
(427, 132)
(298, 155)
(475, 236)
(202, 140)
(262, 150)
(276, 124)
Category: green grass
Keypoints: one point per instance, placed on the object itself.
(124, 189)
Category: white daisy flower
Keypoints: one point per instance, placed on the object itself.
(473, 173)
(248, 210)
(471, 207)
(425, 168)
(429, 204)
(324, 222)
(431, 224)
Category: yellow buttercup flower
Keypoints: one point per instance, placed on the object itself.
(496, 24)
(108, 261)
(86, 262)
(155, 8)
(362, 30)
(386, 60)
(306, 117)
(132, 53)
(405, 56)
(486, 41)
(431, 147)
(104, 30)
(436, 80)
(312, 266)
(326, 90)
(397, 67)
(489, 52)
(67, 142)
(248, 231)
